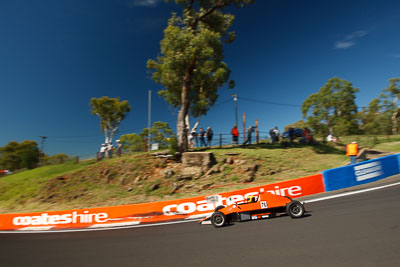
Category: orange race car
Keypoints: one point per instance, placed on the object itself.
(264, 205)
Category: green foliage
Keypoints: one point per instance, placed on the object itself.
(16, 155)
(132, 142)
(298, 124)
(374, 119)
(111, 112)
(56, 159)
(191, 66)
(390, 97)
(160, 133)
(173, 148)
(332, 109)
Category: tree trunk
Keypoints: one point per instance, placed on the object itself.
(394, 122)
(197, 122)
(181, 127)
(112, 134)
(106, 135)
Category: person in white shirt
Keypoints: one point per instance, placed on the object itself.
(103, 149)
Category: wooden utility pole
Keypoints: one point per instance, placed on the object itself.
(244, 127)
(236, 111)
(149, 122)
(257, 136)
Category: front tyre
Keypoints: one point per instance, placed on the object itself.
(218, 219)
(295, 209)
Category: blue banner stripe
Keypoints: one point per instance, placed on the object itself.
(361, 173)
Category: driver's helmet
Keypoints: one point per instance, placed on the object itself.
(251, 199)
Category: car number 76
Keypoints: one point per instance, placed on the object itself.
(264, 204)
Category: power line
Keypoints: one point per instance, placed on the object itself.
(223, 102)
(74, 141)
(269, 102)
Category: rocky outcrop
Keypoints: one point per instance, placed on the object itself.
(203, 160)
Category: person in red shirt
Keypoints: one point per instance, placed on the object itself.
(235, 135)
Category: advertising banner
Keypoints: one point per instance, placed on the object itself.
(361, 173)
(164, 211)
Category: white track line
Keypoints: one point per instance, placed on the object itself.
(350, 193)
(167, 223)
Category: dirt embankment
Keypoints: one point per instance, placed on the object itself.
(369, 153)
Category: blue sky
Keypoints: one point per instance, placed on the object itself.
(56, 55)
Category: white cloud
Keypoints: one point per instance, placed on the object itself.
(146, 3)
(355, 35)
(344, 45)
(350, 40)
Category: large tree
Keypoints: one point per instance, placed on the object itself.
(191, 66)
(374, 119)
(111, 112)
(16, 155)
(391, 96)
(332, 109)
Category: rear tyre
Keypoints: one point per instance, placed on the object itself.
(218, 219)
(295, 209)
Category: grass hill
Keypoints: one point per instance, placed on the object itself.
(141, 177)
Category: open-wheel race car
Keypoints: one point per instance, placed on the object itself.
(265, 205)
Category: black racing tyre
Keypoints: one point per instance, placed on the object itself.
(218, 219)
(219, 207)
(295, 209)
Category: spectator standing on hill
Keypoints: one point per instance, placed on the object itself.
(119, 148)
(235, 135)
(329, 138)
(110, 150)
(189, 137)
(103, 149)
(308, 135)
(352, 151)
(276, 134)
(194, 137)
(202, 135)
(249, 132)
(209, 136)
(272, 135)
(291, 135)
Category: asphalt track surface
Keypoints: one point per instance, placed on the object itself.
(355, 230)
